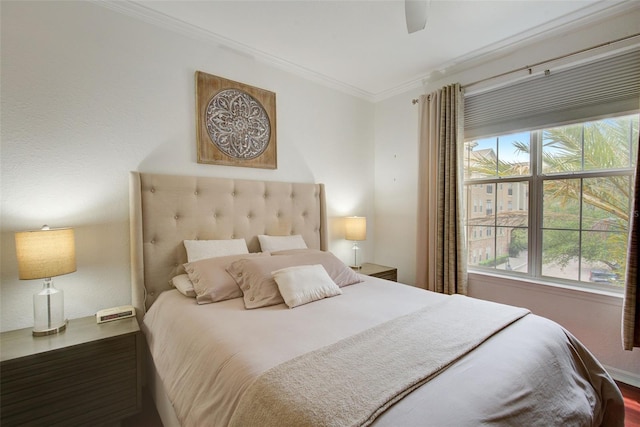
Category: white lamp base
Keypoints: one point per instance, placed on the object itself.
(48, 310)
(356, 265)
(52, 331)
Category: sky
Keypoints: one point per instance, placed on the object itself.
(504, 148)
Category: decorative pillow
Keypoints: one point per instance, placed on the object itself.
(254, 276)
(280, 243)
(210, 279)
(305, 283)
(200, 249)
(184, 285)
(295, 251)
(341, 274)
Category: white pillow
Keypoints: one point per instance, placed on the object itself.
(304, 283)
(281, 243)
(201, 249)
(184, 285)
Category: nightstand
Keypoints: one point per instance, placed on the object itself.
(89, 374)
(381, 271)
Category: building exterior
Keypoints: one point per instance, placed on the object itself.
(493, 212)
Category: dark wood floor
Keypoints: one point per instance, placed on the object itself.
(149, 417)
(631, 405)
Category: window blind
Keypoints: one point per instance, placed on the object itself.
(599, 88)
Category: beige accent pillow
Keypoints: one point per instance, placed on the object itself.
(295, 251)
(341, 274)
(201, 249)
(254, 276)
(281, 243)
(210, 279)
(184, 285)
(303, 284)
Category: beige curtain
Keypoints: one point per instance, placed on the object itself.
(441, 258)
(631, 310)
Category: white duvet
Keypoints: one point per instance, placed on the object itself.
(531, 373)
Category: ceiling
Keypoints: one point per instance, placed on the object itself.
(363, 46)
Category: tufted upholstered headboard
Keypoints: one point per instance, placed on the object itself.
(167, 209)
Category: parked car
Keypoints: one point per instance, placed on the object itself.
(603, 276)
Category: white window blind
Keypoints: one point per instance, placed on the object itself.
(606, 86)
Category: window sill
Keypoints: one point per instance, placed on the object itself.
(560, 289)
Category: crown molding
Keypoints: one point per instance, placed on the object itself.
(585, 17)
(150, 16)
(588, 15)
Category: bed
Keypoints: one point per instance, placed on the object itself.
(315, 343)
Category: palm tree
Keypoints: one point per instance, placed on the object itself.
(607, 146)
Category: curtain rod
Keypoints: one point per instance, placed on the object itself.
(529, 67)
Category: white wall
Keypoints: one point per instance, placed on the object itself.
(396, 184)
(594, 319)
(89, 94)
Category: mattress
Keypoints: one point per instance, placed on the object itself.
(532, 372)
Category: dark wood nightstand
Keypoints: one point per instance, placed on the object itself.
(381, 271)
(90, 374)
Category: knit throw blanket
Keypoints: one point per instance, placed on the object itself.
(353, 381)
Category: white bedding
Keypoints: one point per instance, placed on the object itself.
(531, 373)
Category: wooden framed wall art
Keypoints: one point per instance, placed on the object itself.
(236, 123)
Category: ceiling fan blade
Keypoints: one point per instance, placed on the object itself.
(415, 12)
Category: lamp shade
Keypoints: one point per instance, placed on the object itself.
(45, 253)
(355, 228)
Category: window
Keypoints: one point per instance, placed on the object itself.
(575, 226)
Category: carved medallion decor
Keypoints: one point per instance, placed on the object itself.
(235, 123)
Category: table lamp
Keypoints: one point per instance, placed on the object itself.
(356, 230)
(43, 254)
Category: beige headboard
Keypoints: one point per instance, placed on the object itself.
(167, 209)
